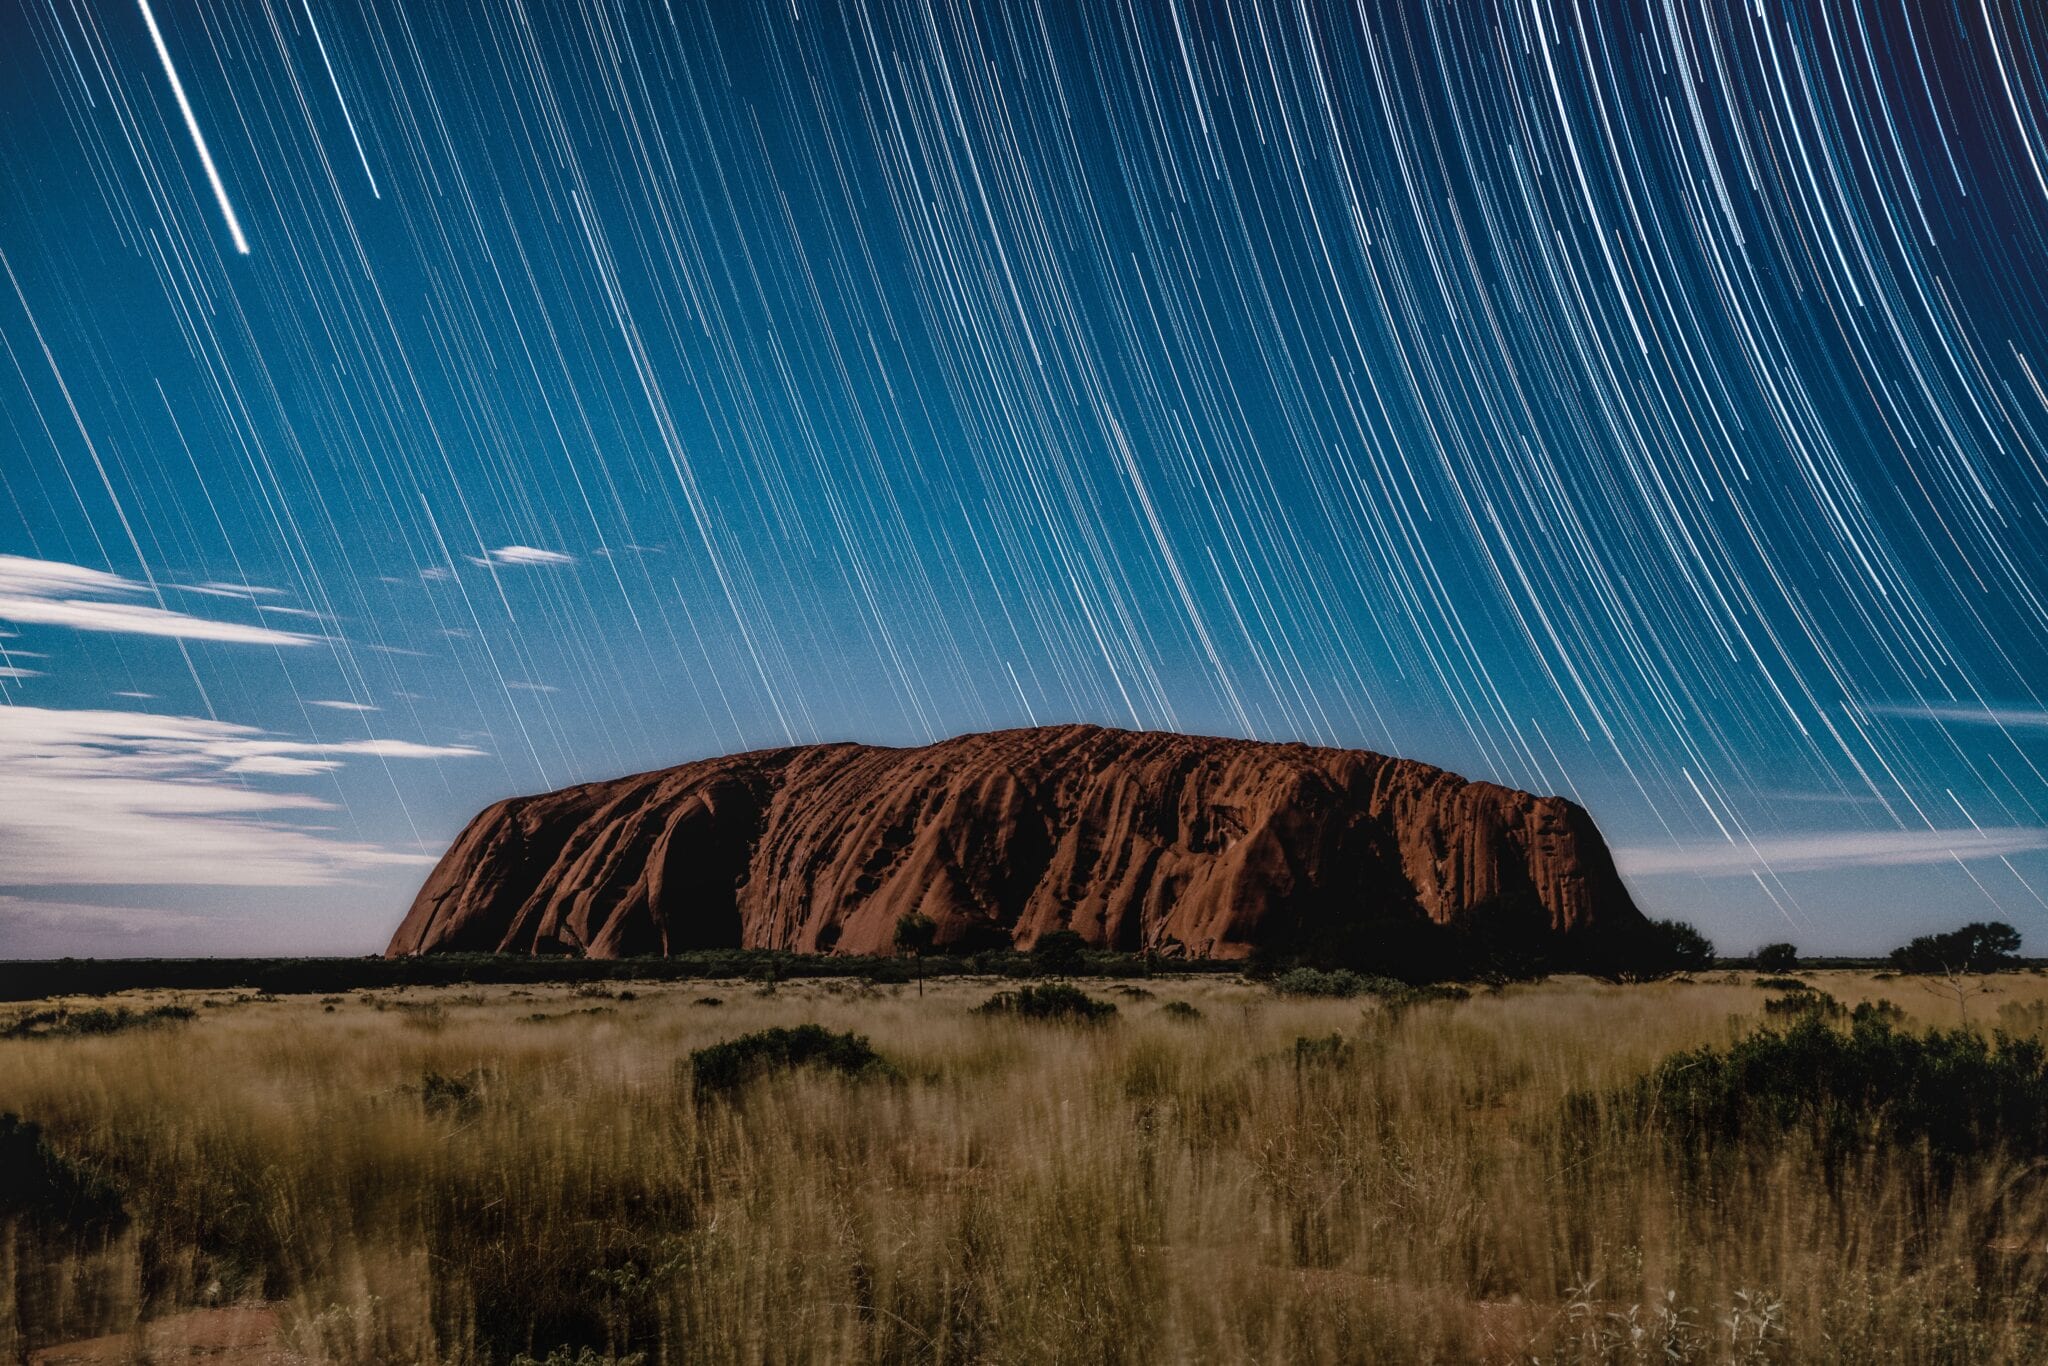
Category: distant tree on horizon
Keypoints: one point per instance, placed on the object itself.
(1779, 957)
(1675, 946)
(915, 935)
(1980, 946)
(1059, 952)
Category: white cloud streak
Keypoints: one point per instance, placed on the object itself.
(1830, 851)
(525, 555)
(126, 798)
(2007, 718)
(52, 593)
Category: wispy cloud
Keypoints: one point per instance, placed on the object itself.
(32, 927)
(125, 798)
(1954, 714)
(1829, 851)
(334, 705)
(53, 593)
(524, 555)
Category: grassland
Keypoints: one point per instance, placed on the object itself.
(469, 1175)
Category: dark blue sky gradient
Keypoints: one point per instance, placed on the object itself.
(1642, 404)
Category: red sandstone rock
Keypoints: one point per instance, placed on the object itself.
(1137, 840)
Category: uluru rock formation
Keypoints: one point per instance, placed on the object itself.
(1137, 840)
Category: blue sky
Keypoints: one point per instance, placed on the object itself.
(404, 406)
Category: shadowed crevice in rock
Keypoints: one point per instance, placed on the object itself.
(1137, 840)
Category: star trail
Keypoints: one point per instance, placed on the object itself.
(407, 405)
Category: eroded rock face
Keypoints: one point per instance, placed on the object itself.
(1138, 840)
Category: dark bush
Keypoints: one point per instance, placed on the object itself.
(1343, 984)
(41, 1185)
(1060, 953)
(441, 1094)
(1982, 946)
(1804, 1000)
(1340, 983)
(65, 1023)
(1878, 1010)
(1331, 1050)
(1669, 946)
(727, 1066)
(1777, 958)
(1872, 1085)
(1180, 1010)
(1780, 984)
(1054, 1001)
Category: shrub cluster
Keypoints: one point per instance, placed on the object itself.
(443, 1094)
(1804, 1000)
(1870, 1085)
(725, 1067)
(1343, 984)
(1983, 946)
(1331, 1050)
(41, 1185)
(1052, 1001)
(63, 1023)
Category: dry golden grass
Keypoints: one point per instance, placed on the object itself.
(1156, 1190)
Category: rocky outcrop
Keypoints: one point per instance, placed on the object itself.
(1173, 843)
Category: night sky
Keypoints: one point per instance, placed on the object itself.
(405, 405)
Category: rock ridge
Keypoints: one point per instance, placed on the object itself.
(1177, 844)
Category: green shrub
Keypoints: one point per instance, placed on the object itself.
(1185, 1011)
(41, 1185)
(1061, 952)
(1343, 984)
(1779, 984)
(1805, 1001)
(725, 1067)
(1331, 1050)
(62, 1022)
(441, 1094)
(1872, 1085)
(1400, 995)
(1053, 1001)
(1669, 946)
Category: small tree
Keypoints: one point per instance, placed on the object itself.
(915, 935)
(1777, 958)
(1674, 946)
(1059, 953)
